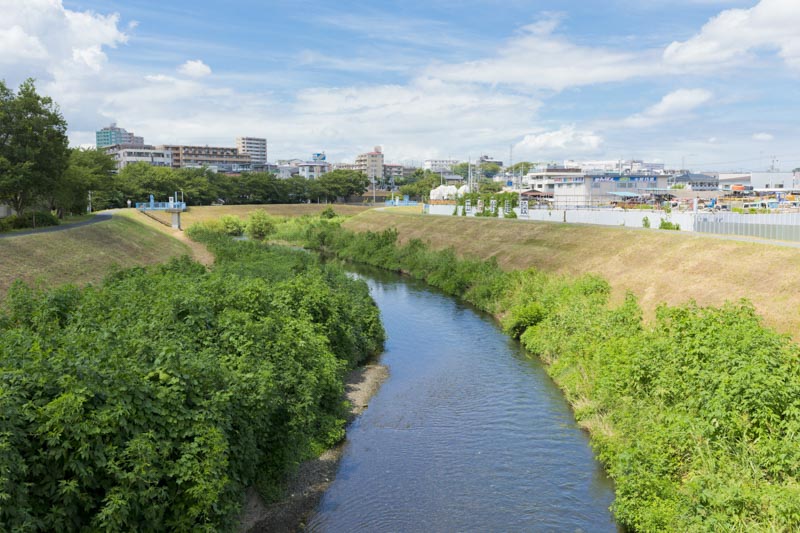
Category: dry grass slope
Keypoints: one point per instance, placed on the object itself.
(83, 255)
(657, 266)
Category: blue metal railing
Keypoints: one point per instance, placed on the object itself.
(160, 206)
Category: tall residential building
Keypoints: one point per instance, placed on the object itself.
(111, 135)
(222, 158)
(255, 147)
(371, 164)
(125, 154)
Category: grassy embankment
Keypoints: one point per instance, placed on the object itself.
(206, 213)
(83, 255)
(657, 266)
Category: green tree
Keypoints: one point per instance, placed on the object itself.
(87, 170)
(422, 187)
(33, 145)
(462, 169)
(342, 184)
(489, 170)
(521, 168)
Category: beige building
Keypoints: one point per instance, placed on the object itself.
(371, 164)
(222, 158)
(255, 147)
(126, 154)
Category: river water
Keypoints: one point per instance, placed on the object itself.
(467, 434)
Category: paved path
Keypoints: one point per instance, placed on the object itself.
(97, 218)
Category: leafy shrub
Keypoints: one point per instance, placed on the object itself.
(232, 225)
(510, 214)
(259, 225)
(666, 224)
(646, 222)
(328, 213)
(522, 317)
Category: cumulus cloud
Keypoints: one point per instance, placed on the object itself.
(194, 68)
(763, 137)
(41, 37)
(566, 140)
(673, 106)
(735, 34)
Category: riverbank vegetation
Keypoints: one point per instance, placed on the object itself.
(657, 266)
(696, 414)
(152, 400)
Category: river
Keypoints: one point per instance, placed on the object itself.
(467, 434)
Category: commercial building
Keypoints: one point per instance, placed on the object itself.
(220, 158)
(256, 148)
(126, 154)
(440, 165)
(112, 135)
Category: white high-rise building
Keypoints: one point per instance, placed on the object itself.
(255, 147)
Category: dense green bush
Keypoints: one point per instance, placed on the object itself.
(29, 219)
(666, 224)
(152, 401)
(232, 225)
(328, 213)
(696, 415)
(259, 225)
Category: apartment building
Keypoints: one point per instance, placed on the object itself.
(440, 165)
(126, 154)
(255, 147)
(111, 135)
(221, 158)
(371, 164)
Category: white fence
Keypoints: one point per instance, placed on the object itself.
(779, 226)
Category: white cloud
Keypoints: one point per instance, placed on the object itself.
(763, 137)
(564, 141)
(194, 68)
(536, 58)
(24, 46)
(674, 106)
(735, 35)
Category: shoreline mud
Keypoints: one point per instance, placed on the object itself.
(313, 477)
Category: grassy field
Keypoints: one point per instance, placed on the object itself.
(204, 213)
(84, 254)
(657, 266)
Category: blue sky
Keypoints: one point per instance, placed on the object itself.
(710, 82)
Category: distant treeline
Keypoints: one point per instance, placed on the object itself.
(696, 415)
(152, 401)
